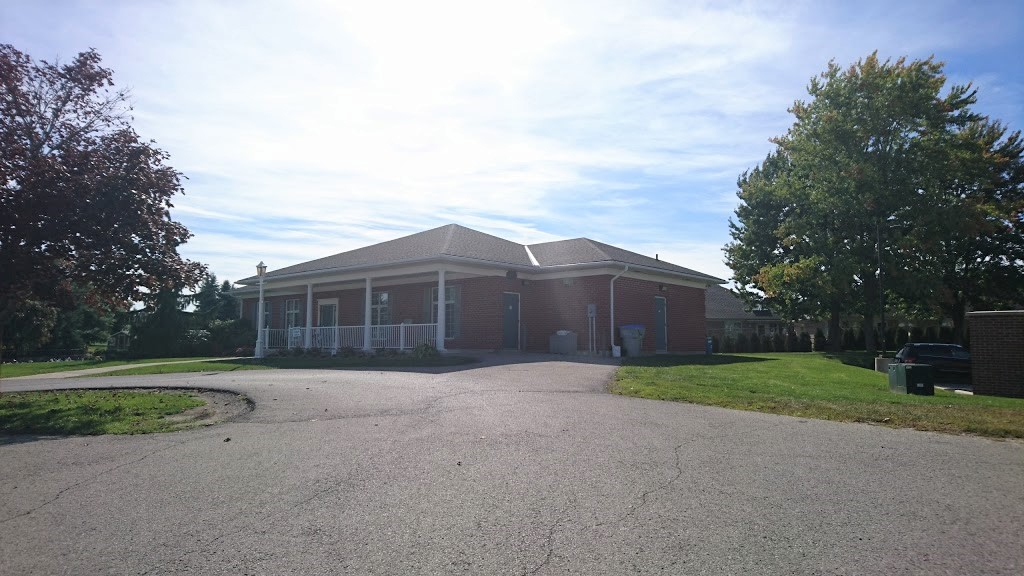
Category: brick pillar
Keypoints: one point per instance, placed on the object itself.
(997, 353)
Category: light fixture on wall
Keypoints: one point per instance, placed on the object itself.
(526, 282)
(662, 287)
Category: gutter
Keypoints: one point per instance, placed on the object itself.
(612, 306)
(700, 278)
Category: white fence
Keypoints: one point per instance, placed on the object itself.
(396, 336)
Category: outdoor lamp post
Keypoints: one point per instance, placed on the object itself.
(261, 269)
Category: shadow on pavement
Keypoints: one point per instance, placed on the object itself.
(691, 360)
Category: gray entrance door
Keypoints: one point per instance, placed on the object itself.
(660, 324)
(510, 323)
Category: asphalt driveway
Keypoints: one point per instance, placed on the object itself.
(523, 468)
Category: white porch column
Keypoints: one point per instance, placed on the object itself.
(366, 314)
(307, 342)
(440, 310)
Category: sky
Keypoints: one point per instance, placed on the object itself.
(310, 128)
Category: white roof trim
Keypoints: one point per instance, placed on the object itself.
(530, 254)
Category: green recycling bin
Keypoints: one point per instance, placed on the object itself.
(911, 379)
(632, 338)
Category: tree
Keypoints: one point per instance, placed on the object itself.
(158, 330)
(207, 300)
(861, 152)
(214, 302)
(86, 202)
(229, 305)
(968, 251)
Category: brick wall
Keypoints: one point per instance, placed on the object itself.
(546, 306)
(634, 304)
(997, 353)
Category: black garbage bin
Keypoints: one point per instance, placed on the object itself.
(911, 379)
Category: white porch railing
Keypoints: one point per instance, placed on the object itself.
(395, 336)
(402, 336)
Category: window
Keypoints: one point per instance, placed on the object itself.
(328, 312)
(291, 314)
(380, 309)
(451, 310)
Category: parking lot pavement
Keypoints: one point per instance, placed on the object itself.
(503, 468)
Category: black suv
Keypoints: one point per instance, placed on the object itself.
(949, 360)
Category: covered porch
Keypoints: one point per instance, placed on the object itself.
(394, 308)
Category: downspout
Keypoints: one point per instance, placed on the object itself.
(612, 307)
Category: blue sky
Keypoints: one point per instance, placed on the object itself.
(309, 128)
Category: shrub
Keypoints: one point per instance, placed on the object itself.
(792, 342)
(754, 345)
(349, 352)
(820, 342)
(741, 342)
(425, 350)
(225, 335)
(805, 342)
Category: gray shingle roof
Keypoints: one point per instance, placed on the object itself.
(585, 250)
(457, 241)
(449, 240)
(721, 304)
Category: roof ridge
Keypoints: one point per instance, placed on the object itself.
(599, 247)
(446, 249)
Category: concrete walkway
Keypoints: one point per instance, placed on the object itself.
(108, 369)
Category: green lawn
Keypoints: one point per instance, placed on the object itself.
(92, 412)
(15, 369)
(294, 363)
(813, 385)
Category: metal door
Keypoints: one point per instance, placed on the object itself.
(510, 322)
(660, 324)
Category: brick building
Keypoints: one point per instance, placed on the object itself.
(498, 294)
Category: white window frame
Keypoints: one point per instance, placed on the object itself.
(291, 313)
(319, 316)
(380, 308)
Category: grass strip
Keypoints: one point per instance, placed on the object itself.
(296, 363)
(15, 369)
(812, 385)
(92, 412)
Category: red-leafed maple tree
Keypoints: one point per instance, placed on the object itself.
(84, 201)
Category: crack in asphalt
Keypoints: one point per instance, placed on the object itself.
(550, 544)
(647, 493)
(91, 479)
(644, 497)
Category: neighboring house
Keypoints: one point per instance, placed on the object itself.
(496, 294)
(119, 341)
(727, 315)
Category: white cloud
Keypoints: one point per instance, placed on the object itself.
(309, 128)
